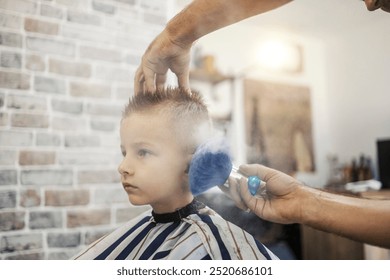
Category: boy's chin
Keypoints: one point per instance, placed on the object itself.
(136, 202)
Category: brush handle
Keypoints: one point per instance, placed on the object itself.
(255, 184)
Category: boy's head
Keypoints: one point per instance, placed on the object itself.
(159, 133)
(185, 111)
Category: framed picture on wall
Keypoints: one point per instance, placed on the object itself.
(279, 126)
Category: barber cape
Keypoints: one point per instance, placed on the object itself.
(194, 232)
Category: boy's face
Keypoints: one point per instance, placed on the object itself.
(153, 170)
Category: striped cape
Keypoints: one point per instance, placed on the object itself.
(201, 235)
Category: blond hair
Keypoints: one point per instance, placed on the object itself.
(187, 111)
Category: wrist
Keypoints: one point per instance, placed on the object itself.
(319, 209)
(181, 31)
(308, 205)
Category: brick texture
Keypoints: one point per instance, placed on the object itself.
(51, 12)
(30, 120)
(66, 197)
(4, 119)
(7, 157)
(11, 80)
(63, 240)
(11, 60)
(15, 138)
(79, 218)
(48, 139)
(24, 7)
(23, 102)
(7, 199)
(89, 90)
(12, 220)
(35, 62)
(66, 72)
(45, 219)
(20, 242)
(8, 177)
(10, 21)
(38, 26)
(36, 158)
(9, 39)
(62, 177)
(70, 68)
(49, 85)
(50, 46)
(30, 198)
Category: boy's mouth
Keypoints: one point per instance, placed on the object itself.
(128, 186)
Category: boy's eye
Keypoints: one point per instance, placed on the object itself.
(143, 152)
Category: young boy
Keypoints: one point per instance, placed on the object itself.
(159, 133)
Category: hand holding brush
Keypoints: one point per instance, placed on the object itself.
(211, 166)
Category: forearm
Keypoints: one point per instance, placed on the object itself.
(359, 219)
(204, 16)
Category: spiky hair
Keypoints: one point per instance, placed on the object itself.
(176, 100)
(187, 111)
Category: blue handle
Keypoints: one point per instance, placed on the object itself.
(253, 184)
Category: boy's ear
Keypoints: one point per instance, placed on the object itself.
(185, 177)
(187, 168)
(188, 161)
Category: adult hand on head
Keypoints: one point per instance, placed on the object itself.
(282, 200)
(373, 5)
(162, 54)
(171, 48)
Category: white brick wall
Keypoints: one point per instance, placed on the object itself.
(66, 71)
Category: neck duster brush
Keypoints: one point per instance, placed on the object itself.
(211, 166)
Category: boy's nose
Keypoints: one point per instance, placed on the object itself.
(125, 168)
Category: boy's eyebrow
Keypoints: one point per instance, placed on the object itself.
(142, 143)
(137, 144)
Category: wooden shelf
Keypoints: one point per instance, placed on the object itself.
(204, 76)
(320, 245)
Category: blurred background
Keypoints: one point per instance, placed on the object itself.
(303, 88)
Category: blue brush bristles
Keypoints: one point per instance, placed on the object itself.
(210, 166)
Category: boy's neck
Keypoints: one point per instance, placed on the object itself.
(176, 204)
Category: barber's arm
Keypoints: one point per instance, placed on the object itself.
(289, 201)
(171, 48)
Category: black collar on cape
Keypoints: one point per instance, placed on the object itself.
(179, 214)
